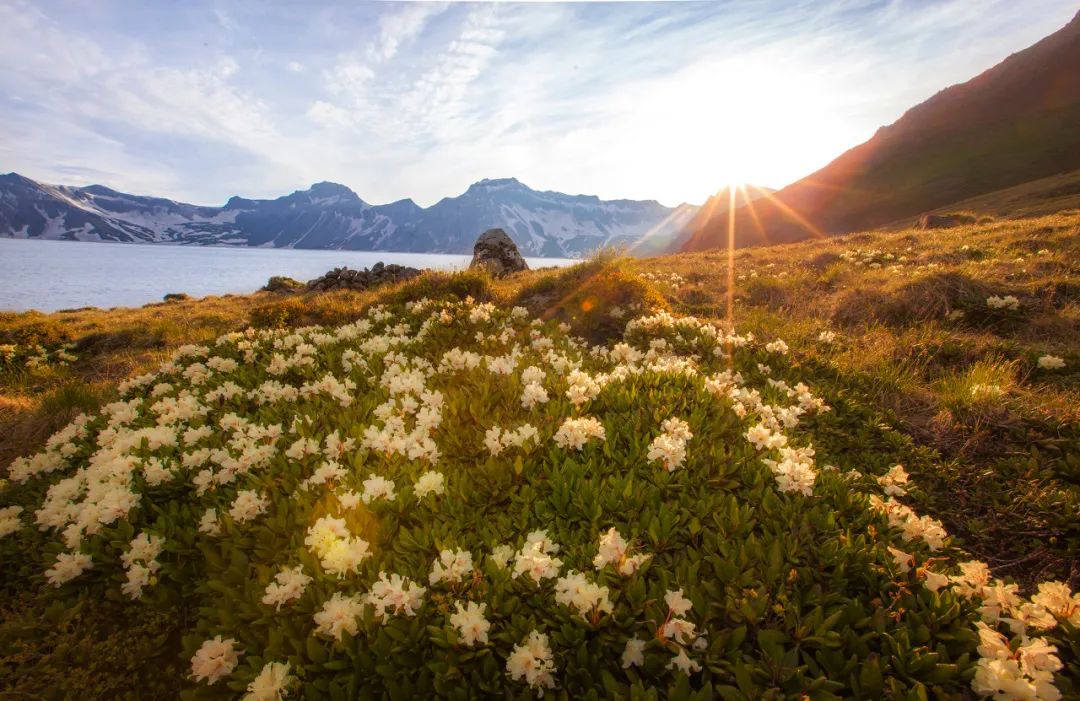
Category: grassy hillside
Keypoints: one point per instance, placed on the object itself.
(742, 562)
(1058, 193)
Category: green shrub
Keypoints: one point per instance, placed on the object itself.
(280, 314)
(594, 298)
(282, 283)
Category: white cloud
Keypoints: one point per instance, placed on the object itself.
(326, 114)
(400, 27)
(295, 67)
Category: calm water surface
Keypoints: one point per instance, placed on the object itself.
(52, 275)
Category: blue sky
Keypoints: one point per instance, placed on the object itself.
(201, 100)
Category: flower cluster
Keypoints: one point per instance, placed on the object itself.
(451, 566)
(669, 448)
(470, 622)
(589, 599)
(575, 433)
(533, 663)
(288, 585)
(497, 440)
(1051, 362)
(614, 551)
(340, 552)
(537, 557)
(215, 659)
(140, 562)
(1008, 302)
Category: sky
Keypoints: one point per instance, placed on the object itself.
(201, 100)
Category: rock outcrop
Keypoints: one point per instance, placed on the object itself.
(497, 253)
(346, 279)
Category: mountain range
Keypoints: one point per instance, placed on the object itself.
(1014, 123)
(331, 216)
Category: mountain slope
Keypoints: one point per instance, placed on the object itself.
(1014, 123)
(331, 216)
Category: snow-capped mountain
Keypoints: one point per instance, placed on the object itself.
(331, 216)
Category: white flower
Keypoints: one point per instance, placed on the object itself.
(501, 555)
(536, 559)
(678, 603)
(215, 658)
(143, 548)
(138, 576)
(633, 654)
(288, 585)
(376, 487)
(893, 480)
(533, 393)
(678, 629)
(247, 505)
(396, 595)
(322, 534)
(778, 347)
(577, 592)
(583, 387)
(1006, 302)
(451, 566)
(901, 559)
(533, 662)
(762, 437)
(1056, 598)
(270, 684)
(345, 555)
(613, 550)
(669, 450)
(934, 581)
(574, 433)
(9, 520)
(470, 622)
(339, 615)
(683, 663)
(430, 482)
(67, 567)
(1051, 362)
(349, 500)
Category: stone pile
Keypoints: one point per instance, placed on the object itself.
(346, 279)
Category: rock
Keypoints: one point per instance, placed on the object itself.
(176, 297)
(497, 252)
(944, 221)
(346, 279)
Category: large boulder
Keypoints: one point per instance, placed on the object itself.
(496, 252)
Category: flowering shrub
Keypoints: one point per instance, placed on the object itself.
(449, 498)
(35, 357)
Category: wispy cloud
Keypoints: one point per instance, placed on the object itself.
(661, 100)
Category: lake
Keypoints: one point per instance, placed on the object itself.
(52, 275)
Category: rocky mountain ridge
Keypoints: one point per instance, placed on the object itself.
(331, 216)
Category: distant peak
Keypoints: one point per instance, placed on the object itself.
(326, 188)
(327, 192)
(98, 190)
(497, 184)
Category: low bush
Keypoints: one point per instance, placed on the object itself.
(594, 299)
